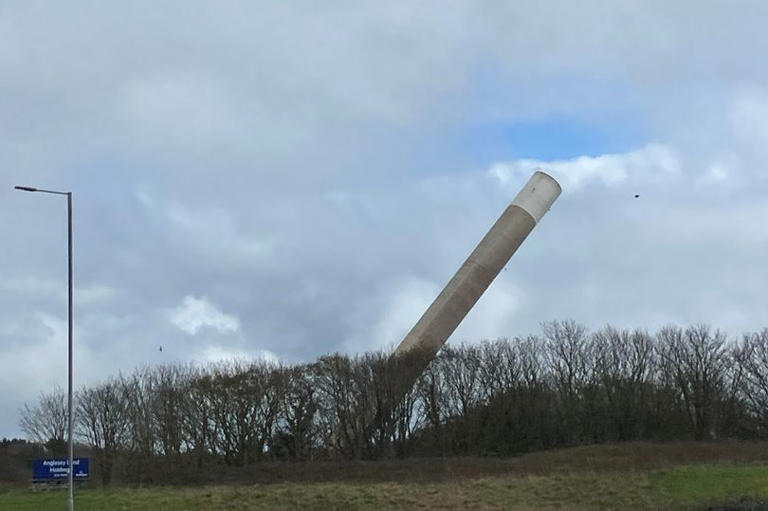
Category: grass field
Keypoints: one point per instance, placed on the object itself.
(594, 485)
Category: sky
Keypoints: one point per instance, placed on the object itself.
(290, 179)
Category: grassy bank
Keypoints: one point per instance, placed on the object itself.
(681, 487)
(632, 476)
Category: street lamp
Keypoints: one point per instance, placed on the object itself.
(70, 497)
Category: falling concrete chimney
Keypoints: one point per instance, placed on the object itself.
(478, 271)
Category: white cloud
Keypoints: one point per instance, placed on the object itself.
(717, 174)
(651, 163)
(205, 232)
(196, 313)
(218, 353)
(495, 314)
(398, 306)
(748, 116)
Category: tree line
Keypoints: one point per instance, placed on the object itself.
(565, 386)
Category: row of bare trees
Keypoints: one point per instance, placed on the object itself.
(566, 386)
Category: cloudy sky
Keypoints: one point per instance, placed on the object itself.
(296, 178)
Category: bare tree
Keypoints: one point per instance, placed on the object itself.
(139, 388)
(698, 360)
(432, 398)
(462, 369)
(624, 362)
(407, 415)
(103, 423)
(198, 430)
(751, 358)
(567, 358)
(538, 423)
(46, 423)
(499, 368)
(342, 406)
(297, 433)
(167, 401)
(245, 400)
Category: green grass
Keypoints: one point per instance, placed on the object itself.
(696, 484)
(673, 488)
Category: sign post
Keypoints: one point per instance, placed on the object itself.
(53, 469)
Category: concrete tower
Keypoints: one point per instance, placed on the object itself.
(476, 274)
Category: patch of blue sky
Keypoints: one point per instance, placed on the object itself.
(555, 138)
(563, 117)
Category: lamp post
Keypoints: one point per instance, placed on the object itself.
(70, 497)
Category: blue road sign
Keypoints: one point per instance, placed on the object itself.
(56, 468)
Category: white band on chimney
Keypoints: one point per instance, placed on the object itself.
(538, 194)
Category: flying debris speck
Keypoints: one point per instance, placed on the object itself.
(637, 196)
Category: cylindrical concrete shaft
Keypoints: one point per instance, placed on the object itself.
(481, 267)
